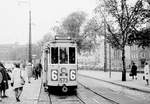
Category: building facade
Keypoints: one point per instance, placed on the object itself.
(116, 59)
(140, 56)
(134, 54)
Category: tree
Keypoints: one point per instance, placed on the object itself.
(71, 26)
(140, 38)
(73, 23)
(128, 19)
(59, 30)
(46, 38)
(91, 31)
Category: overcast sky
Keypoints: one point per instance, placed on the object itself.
(14, 17)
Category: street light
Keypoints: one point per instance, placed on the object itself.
(30, 35)
(105, 43)
(30, 41)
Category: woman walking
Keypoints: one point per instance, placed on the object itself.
(17, 81)
(146, 73)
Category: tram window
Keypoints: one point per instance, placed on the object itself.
(54, 55)
(71, 55)
(63, 55)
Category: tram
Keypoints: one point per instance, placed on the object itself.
(59, 60)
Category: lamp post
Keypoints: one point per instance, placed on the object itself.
(30, 38)
(105, 43)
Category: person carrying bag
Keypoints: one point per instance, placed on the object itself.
(146, 73)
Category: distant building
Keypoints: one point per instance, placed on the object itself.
(17, 52)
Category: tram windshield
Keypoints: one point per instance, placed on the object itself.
(63, 55)
(72, 55)
(54, 55)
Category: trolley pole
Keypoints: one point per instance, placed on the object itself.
(30, 41)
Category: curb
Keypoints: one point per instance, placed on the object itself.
(128, 87)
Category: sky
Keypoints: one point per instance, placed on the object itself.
(14, 17)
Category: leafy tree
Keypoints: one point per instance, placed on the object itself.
(73, 23)
(92, 30)
(46, 38)
(71, 26)
(59, 30)
(140, 38)
(128, 19)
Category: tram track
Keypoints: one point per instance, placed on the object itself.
(83, 93)
(80, 99)
(65, 99)
(98, 94)
(59, 98)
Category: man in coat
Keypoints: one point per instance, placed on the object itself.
(134, 71)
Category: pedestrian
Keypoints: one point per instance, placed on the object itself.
(146, 73)
(134, 71)
(4, 81)
(34, 72)
(39, 68)
(24, 73)
(17, 81)
(29, 71)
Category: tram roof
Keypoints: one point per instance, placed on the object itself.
(63, 39)
(55, 41)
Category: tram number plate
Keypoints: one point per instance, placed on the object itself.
(63, 80)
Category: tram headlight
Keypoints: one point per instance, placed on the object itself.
(72, 74)
(54, 75)
(63, 70)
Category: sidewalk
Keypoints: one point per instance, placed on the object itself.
(29, 95)
(138, 84)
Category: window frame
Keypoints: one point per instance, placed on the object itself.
(67, 51)
(51, 59)
(74, 55)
